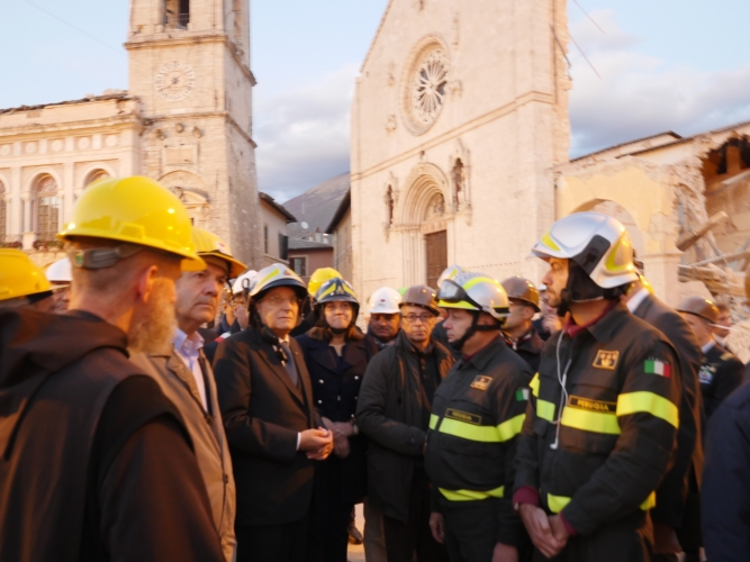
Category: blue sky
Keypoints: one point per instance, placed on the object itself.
(664, 64)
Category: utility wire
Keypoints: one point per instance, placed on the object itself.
(79, 30)
(590, 18)
(584, 56)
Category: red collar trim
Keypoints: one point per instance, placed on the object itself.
(571, 329)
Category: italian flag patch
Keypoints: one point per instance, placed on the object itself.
(656, 367)
(522, 394)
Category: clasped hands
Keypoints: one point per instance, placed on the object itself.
(317, 443)
(548, 534)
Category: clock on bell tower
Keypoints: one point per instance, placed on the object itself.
(190, 70)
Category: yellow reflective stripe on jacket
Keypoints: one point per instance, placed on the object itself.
(433, 421)
(534, 384)
(482, 433)
(650, 403)
(557, 503)
(510, 428)
(650, 502)
(587, 420)
(545, 410)
(470, 495)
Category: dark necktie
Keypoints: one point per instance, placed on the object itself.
(290, 367)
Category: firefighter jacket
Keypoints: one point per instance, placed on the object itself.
(477, 414)
(601, 426)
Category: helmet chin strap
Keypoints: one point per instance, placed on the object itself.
(473, 329)
(581, 288)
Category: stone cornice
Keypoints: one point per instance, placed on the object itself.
(93, 125)
(528, 97)
(191, 38)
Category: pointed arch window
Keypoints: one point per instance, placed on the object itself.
(46, 208)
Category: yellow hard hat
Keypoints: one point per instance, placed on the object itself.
(19, 276)
(208, 244)
(319, 277)
(135, 210)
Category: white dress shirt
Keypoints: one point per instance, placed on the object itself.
(636, 300)
(188, 348)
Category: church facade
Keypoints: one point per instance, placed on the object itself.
(457, 126)
(186, 121)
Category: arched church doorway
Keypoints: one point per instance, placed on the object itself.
(424, 227)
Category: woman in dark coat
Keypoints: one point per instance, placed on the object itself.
(336, 355)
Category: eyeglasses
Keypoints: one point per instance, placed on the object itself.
(276, 300)
(414, 318)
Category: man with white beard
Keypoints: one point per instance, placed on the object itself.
(94, 459)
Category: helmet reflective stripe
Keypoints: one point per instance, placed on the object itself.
(336, 289)
(449, 273)
(277, 275)
(599, 244)
(474, 291)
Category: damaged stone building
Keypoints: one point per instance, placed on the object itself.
(686, 204)
(186, 121)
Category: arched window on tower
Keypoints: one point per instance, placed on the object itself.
(389, 206)
(458, 182)
(95, 175)
(3, 213)
(46, 208)
(177, 13)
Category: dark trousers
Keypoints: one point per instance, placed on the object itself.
(402, 539)
(628, 540)
(331, 514)
(471, 531)
(272, 543)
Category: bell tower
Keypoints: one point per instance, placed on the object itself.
(190, 70)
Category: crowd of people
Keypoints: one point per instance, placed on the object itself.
(160, 401)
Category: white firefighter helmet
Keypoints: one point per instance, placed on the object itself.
(599, 244)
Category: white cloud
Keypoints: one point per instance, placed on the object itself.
(639, 95)
(303, 135)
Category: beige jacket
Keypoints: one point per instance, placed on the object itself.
(206, 431)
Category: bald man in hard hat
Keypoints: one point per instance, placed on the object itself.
(95, 461)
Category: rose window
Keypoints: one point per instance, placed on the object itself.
(425, 86)
(429, 87)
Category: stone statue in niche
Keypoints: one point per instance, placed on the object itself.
(435, 208)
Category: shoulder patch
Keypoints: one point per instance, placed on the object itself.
(657, 367)
(726, 356)
(481, 382)
(606, 360)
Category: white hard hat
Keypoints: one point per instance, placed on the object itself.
(244, 281)
(384, 301)
(59, 272)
